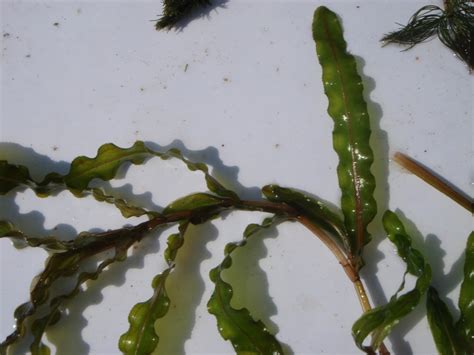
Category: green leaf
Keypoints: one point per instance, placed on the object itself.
(237, 325)
(344, 88)
(13, 176)
(21, 240)
(380, 321)
(447, 339)
(194, 202)
(315, 210)
(466, 296)
(64, 264)
(141, 337)
(38, 328)
(105, 165)
(127, 210)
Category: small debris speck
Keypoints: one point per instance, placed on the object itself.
(186, 68)
(55, 147)
(222, 145)
(277, 145)
(226, 80)
(28, 56)
(56, 24)
(142, 89)
(417, 58)
(6, 35)
(79, 11)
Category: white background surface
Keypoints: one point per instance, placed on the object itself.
(251, 105)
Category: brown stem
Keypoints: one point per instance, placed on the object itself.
(282, 208)
(333, 247)
(434, 180)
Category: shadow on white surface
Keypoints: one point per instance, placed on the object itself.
(228, 175)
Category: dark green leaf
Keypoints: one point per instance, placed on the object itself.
(344, 88)
(104, 166)
(141, 337)
(315, 210)
(380, 321)
(193, 202)
(466, 296)
(39, 326)
(127, 210)
(447, 339)
(20, 240)
(237, 325)
(13, 176)
(64, 264)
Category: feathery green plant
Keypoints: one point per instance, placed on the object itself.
(454, 25)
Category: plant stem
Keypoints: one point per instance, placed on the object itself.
(333, 247)
(434, 180)
(363, 298)
(365, 303)
(284, 209)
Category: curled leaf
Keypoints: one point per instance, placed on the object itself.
(64, 264)
(344, 88)
(8, 230)
(466, 296)
(237, 325)
(315, 210)
(447, 338)
(141, 337)
(105, 165)
(127, 210)
(203, 206)
(13, 176)
(380, 321)
(39, 326)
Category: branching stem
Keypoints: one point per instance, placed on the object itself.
(282, 209)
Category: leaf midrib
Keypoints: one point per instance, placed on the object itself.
(154, 299)
(231, 318)
(98, 166)
(356, 178)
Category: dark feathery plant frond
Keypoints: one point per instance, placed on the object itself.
(175, 11)
(454, 26)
